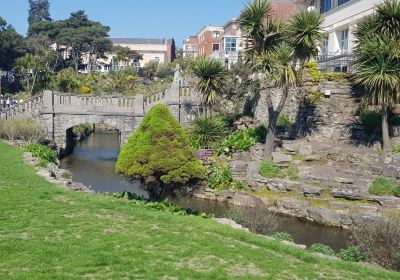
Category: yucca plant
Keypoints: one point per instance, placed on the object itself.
(207, 131)
(377, 61)
(210, 75)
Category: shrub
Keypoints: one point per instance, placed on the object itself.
(380, 241)
(257, 219)
(283, 121)
(292, 172)
(283, 236)
(268, 169)
(66, 80)
(351, 254)
(383, 185)
(159, 154)
(43, 153)
(206, 131)
(322, 248)
(396, 149)
(242, 140)
(27, 130)
(219, 176)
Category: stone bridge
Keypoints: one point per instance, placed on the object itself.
(60, 112)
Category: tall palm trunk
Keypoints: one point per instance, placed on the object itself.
(272, 119)
(385, 129)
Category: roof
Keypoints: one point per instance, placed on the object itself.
(138, 41)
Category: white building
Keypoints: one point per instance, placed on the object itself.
(341, 17)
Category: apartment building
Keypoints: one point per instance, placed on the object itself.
(191, 47)
(341, 17)
(226, 42)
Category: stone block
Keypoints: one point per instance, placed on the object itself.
(347, 192)
(305, 150)
(282, 185)
(312, 158)
(290, 147)
(392, 171)
(311, 191)
(281, 158)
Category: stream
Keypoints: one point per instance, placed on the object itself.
(92, 164)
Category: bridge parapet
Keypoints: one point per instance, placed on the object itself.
(27, 109)
(94, 104)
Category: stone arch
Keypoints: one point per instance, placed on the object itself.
(63, 125)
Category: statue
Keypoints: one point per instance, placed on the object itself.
(177, 75)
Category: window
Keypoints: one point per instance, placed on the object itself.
(324, 46)
(215, 47)
(344, 40)
(325, 6)
(230, 44)
(216, 34)
(341, 2)
(136, 63)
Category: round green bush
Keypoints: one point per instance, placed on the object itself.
(159, 154)
(384, 186)
(269, 170)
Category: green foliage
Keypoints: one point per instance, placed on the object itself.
(150, 69)
(293, 172)
(384, 186)
(283, 121)
(82, 129)
(67, 80)
(352, 254)
(210, 74)
(242, 140)
(121, 81)
(219, 176)
(305, 33)
(206, 132)
(162, 206)
(269, 170)
(42, 152)
(12, 45)
(316, 76)
(322, 248)
(27, 130)
(396, 149)
(370, 120)
(283, 236)
(159, 153)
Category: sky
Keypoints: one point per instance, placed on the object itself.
(135, 18)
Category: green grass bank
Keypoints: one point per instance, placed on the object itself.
(47, 232)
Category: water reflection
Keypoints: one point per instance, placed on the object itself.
(92, 163)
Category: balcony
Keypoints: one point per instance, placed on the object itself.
(335, 62)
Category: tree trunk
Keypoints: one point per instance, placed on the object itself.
(385, 130)
(270, 139)
(272, 119)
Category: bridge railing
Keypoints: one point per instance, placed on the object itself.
(94, 104)
(154, 97)
(27, 109)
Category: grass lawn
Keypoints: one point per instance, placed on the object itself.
(47, 232)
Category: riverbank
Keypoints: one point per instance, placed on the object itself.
(51, 232)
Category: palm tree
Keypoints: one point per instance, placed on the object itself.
(210, 74)
(207, 131)
(378, 60)
(304, 34)
(280, 67)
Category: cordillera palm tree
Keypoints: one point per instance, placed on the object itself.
(210, 76)
(275, 49)
(377, 61)
(304, 34)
